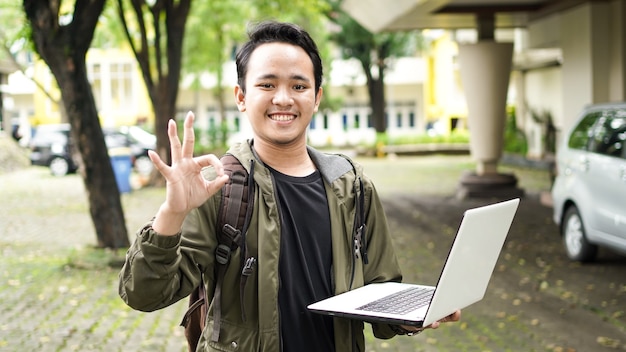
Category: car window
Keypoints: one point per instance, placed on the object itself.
(47, 137)
(140, 136)
(115, 140)
(609, 134)
(579, 138)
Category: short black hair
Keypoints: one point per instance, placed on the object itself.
(278, 32)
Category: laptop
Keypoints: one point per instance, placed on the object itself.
(462, 282)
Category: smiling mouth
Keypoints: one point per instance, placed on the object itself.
(282, 117)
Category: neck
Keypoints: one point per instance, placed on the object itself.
(292, 160)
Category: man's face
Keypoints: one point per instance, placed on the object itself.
(280, 97)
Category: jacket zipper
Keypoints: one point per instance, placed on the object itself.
(353, 265)
(280, 215)
(356, 241)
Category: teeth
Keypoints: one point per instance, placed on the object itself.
(282, 117)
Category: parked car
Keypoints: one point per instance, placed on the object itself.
(51, 146)
(589, 192)
(138, 140)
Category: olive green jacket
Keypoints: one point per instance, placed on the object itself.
(161, 270)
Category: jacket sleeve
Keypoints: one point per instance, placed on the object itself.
(161, 270)
(382, 262)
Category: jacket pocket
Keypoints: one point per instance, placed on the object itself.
(233, 338)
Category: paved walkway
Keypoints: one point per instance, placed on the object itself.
(52, 298)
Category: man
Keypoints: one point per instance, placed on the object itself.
(302, 229)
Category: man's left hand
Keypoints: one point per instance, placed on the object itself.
(456, 316)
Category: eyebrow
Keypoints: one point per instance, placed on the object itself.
(292, 77)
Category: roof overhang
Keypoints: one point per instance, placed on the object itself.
(379, 16)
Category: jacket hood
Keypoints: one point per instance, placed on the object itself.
(331, 166)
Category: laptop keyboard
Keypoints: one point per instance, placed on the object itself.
(401, 302)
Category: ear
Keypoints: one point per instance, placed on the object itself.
(318, 98)
(240, 98)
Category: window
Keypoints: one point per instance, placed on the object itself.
(610, 134)
(601, 132)
(580, 135)
(95, 78)
(121, 84)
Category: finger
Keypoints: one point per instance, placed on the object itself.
(456, 316)
(158, 163)
(188, 136)
(450, 318)
(211, 160)
(217, 184)
(175, 146)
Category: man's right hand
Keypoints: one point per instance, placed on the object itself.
(186, 188)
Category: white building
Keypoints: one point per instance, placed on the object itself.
(347, 126)
(121, 98)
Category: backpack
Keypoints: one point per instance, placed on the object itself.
(233, 219)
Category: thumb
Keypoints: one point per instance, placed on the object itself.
(215, 185)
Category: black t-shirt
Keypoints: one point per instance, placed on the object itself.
(305, 262)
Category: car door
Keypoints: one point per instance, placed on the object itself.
(607, 177)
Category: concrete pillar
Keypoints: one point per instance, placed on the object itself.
(485, 69)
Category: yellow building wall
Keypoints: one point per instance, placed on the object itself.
(445, 100)
(46, 98)
(121, 97)
(126, 103)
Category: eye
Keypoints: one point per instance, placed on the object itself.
(265, 85)
(299, 87)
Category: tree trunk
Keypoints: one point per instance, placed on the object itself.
(164, 110)
(102, 190)
(160, 61)
(63, 48)
(376, 90)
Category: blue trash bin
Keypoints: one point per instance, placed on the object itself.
(122, 166)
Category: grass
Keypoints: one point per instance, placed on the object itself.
(92, 258)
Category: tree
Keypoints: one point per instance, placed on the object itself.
(62, 40)
(209, 45)
(156, 29)
(373, 52)
(13, 41)
(157, 43)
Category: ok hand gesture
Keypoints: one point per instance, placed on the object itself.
(186, 188)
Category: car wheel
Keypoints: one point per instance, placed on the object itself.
(59, 166)
(574, 238)
(143, 165)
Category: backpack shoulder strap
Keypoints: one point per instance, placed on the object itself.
(235, 198)
(233, 219)
(360, 228)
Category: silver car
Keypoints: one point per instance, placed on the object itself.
(589, 192)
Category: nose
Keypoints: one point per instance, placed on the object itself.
(282, 97)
